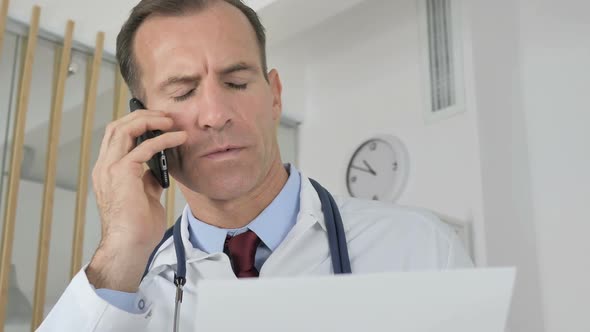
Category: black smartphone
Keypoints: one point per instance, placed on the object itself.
(158, 164)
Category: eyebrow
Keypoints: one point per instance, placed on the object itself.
(240, 66)
(195, 79)
(187, 79)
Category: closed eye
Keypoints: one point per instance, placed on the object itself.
(237, 86)
(185, 96)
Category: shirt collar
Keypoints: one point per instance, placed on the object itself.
(272, 225)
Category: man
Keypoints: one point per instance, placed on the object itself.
(200, 68)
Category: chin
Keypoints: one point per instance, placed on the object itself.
(225, 183)
(227, 189)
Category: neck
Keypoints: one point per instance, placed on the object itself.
(239, 212)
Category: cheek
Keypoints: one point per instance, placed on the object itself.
(186, 121)
(261, 120)
(182, 120)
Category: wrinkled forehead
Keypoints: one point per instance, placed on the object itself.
(199, 41)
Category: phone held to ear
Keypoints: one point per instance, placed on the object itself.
(158, 164)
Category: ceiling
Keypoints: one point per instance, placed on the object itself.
(282, 18)
(90, 16)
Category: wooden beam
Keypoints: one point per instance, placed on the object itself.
(85, 150)
(3, 19)
(121, 97)
(61, 71)
(15, 163)
(170, 193)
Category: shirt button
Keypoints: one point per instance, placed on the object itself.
(141, 304)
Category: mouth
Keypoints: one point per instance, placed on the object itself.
(223, 153)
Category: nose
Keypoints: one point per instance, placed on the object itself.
(215, 111)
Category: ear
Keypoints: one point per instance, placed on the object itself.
(276, 89)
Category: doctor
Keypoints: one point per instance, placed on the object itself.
(200, 68)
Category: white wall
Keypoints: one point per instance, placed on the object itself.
(510, 227)
(531, 62)
(556, 85)
(359, 75)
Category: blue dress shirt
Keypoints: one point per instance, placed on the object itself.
(272, 226)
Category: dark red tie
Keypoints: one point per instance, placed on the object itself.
(242, 251)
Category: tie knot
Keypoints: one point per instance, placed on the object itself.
(242, 252)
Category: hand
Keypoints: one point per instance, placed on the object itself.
(367, 170)
(371, 170)
(133, 220)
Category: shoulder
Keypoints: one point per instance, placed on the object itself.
(388, 237)
(358, 214)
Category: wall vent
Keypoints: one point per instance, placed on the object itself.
(442, 57)
(440, 53)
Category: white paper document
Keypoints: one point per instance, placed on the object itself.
(475, 300)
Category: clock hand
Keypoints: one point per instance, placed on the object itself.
(362, 169)
(371, 170)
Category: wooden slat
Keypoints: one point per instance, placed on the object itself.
(121, 103)
(61, 71)
(15, 163)
(85, 150)
(170, 193)
(58, 49)
(3, 19)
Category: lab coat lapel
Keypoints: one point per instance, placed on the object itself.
(305, 248)
(166, 254)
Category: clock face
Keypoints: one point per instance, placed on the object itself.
(377, 170)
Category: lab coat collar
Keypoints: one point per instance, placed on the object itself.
(310, 213)
(310, 204)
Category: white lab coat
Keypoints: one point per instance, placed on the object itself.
(381, 237)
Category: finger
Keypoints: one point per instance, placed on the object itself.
(139, 122)
(129, 131)
(123, 138)
(118, 125)
(143, 152)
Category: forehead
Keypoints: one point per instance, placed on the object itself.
(214, 36)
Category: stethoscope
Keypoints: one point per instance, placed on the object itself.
(336, 242)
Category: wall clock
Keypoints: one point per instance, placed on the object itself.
(378, 169)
